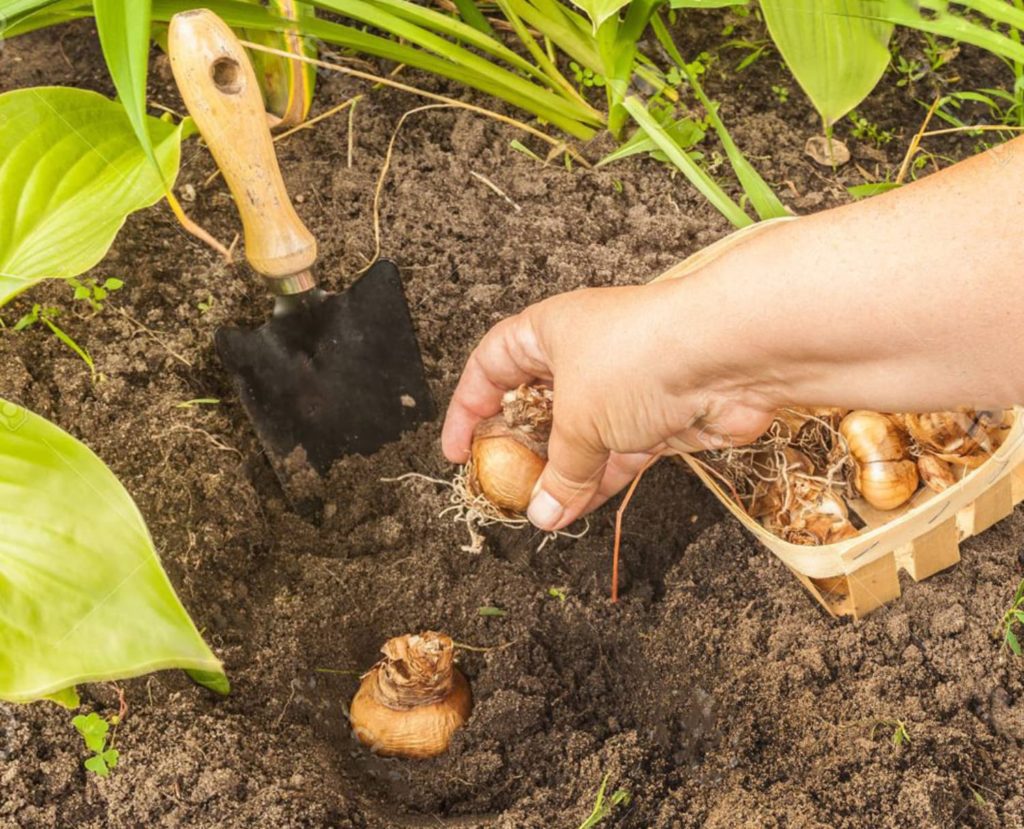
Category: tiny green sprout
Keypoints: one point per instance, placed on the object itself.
(47, 315)
(617, 185)
(93, 729)
(520, 147)
(603, 808)
(900, 736)
(865, 130)
(559, 593)
(1014, 616)
(92, 292)
(197, 401)
(910, 71)
(491, 611)
(205, 305)
(781, 92)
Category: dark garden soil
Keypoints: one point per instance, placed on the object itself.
(716, 692)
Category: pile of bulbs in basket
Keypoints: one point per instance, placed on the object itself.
(806, 479)
(811, 474)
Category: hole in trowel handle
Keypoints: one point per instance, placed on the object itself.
(227, 75)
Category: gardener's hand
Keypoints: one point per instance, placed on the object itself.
(633, 377)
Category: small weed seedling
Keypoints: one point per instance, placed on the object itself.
(93, 293)
(47, 315)
(94, 729)
(900, 736)
(559, 593)
(781, 92)
(492, 611)
(938, 52)
(910, 71)
(602, 807)
(865, 130)
(1014, 616)
(585, 77)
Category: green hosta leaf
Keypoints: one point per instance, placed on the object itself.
(834, 49)
(83, 597)
(71, 170)
(600, 10)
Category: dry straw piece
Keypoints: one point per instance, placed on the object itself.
(411, 702)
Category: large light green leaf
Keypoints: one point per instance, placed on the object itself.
(83, 597)
(71, 170)
(834, 49)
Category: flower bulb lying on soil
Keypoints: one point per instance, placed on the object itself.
(411, 702)
(510, 449)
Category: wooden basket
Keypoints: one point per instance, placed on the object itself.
(858, 575)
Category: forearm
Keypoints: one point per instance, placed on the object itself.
(909, 301)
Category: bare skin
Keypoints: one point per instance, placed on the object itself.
(910, 301)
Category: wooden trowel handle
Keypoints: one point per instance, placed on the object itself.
(219, 87)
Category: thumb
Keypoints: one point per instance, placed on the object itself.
(569, 480)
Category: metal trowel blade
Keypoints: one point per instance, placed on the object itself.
(334, 374)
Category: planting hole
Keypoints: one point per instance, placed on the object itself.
(226, 74)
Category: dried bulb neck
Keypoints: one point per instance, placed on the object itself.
(529, 410)
(417, 669)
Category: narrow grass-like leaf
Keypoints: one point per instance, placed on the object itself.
(761, 195)
(696, 175)
(836, 52)
(83, 597)
(124, 30)
(457, 63)
(71, 170)
(942, 21)
(706, 4)
(863, 191)
(471, 14)
(287, 85)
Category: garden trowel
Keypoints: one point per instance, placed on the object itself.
(330, 374)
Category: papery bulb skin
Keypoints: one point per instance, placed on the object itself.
(884, 473)
(509, 450)
(935, 473)
(411, 702)
(505, 466)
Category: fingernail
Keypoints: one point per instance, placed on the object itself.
(545, 512)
